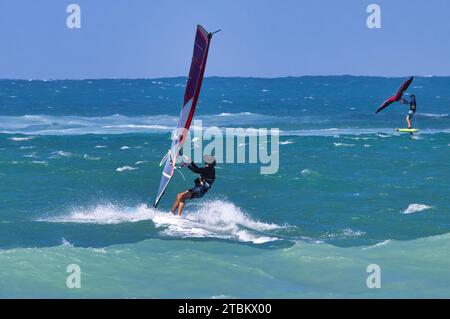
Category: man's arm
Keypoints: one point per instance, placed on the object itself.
(195, 168)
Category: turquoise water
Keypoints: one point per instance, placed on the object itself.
(79, 169)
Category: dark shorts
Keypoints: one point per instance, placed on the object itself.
(198, 191)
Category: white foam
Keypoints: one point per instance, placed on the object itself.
(125, 147)
(20, 139)
(380, 244)
(343, 145)
(352, 233)
(308, 171)
(383, 135)
(286, 142)
(157, 124)
(217, 219)
(66, 243)
(103, 214)
(99, 250)
(125, 168)
(136, 126)
(358, 138)
(415, 208)
(40, 162)
(222, 297)
(77, 125)
(432, 115)
(237, 114)
(212, 219)
(346, 233)
(32, 155)
(59, 154)
(91, 158)
(338, 132)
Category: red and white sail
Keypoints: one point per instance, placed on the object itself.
(191, 95)
(397, 97)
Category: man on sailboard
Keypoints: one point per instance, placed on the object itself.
(202, 184)
(412, 109)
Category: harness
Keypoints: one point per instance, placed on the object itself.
(205, 182)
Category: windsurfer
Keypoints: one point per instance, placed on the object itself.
(191, 95)
(202, 184)
(412, 109)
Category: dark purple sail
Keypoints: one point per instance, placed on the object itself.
(191, 95)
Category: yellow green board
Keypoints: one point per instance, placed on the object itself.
(407, 130)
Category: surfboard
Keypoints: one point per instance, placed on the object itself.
(407, 130)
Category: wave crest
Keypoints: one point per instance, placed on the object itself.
(415, 208)
(211, 219)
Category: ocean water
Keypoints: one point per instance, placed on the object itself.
(79, 169)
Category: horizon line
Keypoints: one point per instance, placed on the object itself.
(218, 76)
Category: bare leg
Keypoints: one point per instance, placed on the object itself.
(180, 208)
(186, 195)
(408, 121)
(176, 203)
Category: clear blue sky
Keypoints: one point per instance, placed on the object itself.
(259, 38)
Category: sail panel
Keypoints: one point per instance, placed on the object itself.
(191, 95)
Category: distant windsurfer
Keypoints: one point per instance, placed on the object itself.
(412, 109)
(202, 184)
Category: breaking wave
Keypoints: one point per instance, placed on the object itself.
(210, 219)
(415, 208)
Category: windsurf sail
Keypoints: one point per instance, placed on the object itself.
(398, 96)
(191, 95)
